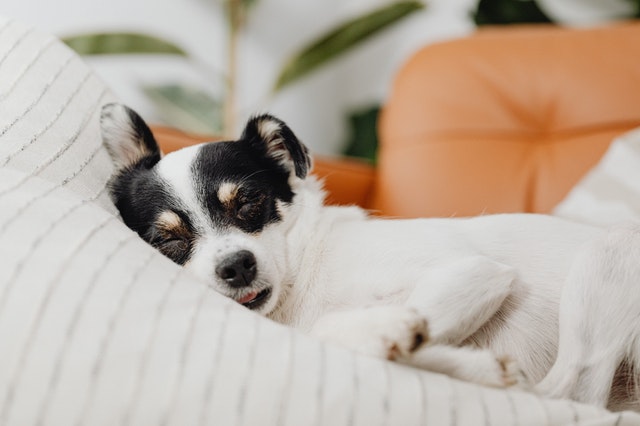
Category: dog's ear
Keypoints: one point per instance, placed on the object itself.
(276, 140)
(127, 138)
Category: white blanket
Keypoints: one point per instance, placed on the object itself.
(610, 192)
(97, 328)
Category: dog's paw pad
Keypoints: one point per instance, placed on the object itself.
(419, 338)
(403, 332)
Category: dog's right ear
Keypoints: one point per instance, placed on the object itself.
(275, 139)
(127, 138)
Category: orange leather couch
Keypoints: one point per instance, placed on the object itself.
(506, 120)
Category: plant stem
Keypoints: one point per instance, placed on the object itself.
(235, 17)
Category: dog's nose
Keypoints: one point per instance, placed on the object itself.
(239, 269)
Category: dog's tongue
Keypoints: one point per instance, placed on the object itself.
(247, 298)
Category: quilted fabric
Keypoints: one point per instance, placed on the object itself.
(97, 328)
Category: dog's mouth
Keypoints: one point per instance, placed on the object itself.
(255, 299)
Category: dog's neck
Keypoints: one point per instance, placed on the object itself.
(311, 223)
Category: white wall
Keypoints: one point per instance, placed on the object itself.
(315, 107)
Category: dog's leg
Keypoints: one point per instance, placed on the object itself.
(457, 298)
(598, 319)
(469, 364)
(378, 331)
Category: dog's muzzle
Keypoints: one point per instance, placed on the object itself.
(238, 271)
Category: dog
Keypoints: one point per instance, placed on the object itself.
(557, 301)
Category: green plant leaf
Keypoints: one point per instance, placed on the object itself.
(343, 38)
(121, 43)
(363, 135)
(504, 12)
(187, 108)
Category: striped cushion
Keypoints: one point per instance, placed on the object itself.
(97, 328)
(610, 192)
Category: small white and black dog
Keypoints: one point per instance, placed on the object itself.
(560, 298)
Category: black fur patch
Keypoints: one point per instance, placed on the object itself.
(138, 135)
(261, 182)
(141, 197)
(283, 143)
(258, 166)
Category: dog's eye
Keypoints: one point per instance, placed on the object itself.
(175, 248)
(177, 243)
(248, 208)
(245, 209)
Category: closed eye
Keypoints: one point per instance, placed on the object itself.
(249, 208)
(171, 235)
(176, 248)
(178, 243)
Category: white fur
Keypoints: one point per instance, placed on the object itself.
(501, 299)
(266, 247)
(181, 182)
(469, 364)
(494, 282)
(396, 328)
(215, 244)
(124, 147)
(268, 129)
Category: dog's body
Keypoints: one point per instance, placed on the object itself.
(244, 216)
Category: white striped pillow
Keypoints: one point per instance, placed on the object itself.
(610, 192)
(50, 103)
(97, 328)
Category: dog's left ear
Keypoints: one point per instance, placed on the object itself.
(127, 138)
(276, 140)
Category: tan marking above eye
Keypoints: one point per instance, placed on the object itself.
(168, 220)
(227, 192)
(169, 224)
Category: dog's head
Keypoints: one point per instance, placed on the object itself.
(221, 209)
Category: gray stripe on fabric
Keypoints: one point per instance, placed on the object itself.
(424, 399)
(320, 391)
(351, 419)
(485, 407)
(83, 126)
(285, 394)
(386, 398)
(253, 350)
(17, 43)
(105, 342)
(39, 53)
(209, 390)
(184, 355)
(38, 239)
(35, 102)
(78, 310)
(39, 168)
(146, 352)
(453, 401)
(5, 25)
(35, 326)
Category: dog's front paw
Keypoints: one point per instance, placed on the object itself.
(498, 371)
(511, 373)
(381, 331)
(469, 364)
